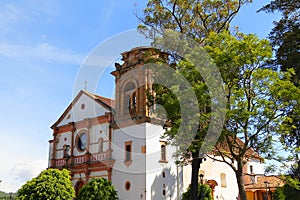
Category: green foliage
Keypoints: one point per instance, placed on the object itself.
(290, 191)
(49, 184)
(6, 196)
(98, 188)
(204, 193)
(189, 17)
(285, 37)
(258, 99)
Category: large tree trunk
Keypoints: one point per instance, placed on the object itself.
(195, 173)
(240, 181)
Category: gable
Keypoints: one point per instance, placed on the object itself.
(85, 105)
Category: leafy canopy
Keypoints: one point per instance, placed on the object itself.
(285, 36)
(285, 39)
(290, 191)
(50, 184)
(204, 193)
(98, 188)
(194, 18)
(257, 99)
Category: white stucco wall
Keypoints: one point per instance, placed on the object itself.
(63, 139)
(257, 166)
(212, 171)
(91, 109)
(146, 171)
(135, 172)
(103, 174)
(155, 181)
(97, 132)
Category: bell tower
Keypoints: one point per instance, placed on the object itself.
(133, 82)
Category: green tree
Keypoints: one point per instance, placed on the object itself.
(257, 99)
(285, 36)
(204, 193)
(285, 39)
(49, 184)
(196, 19)
(290, 191)
(98, 188)
(4, 195)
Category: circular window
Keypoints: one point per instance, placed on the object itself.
(127, 185)
(81, 141)
(82, 106)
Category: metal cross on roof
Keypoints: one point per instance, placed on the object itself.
(85, 84)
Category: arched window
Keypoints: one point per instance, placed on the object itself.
(132, 102)
(223, 180)
(251, 169)
(81, 141)
(78, 186)
(130, 98)
(128, 151)
(163, 152)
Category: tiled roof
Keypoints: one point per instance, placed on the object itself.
(109, 102)
(273, 182)
(250, 153)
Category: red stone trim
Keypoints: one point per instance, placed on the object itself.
(136, 120)
(83, 124)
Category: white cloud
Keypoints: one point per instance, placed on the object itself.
(27, 171)
(42, 52)
(28, 11)
(21, 173)
(10, 13)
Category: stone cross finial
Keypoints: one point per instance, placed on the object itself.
(85, 84)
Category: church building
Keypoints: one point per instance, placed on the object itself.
(121, 140)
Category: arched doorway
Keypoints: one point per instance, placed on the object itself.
(78, 186)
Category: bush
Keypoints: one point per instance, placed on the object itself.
(50, 184)
(290, 191)
(204, 193)
(96, 189)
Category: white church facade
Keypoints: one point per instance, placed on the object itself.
(121, 140)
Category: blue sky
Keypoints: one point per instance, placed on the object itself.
(42, 46)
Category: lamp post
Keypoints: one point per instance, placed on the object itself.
(201, 178)
(201, 181)
(267, 194)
